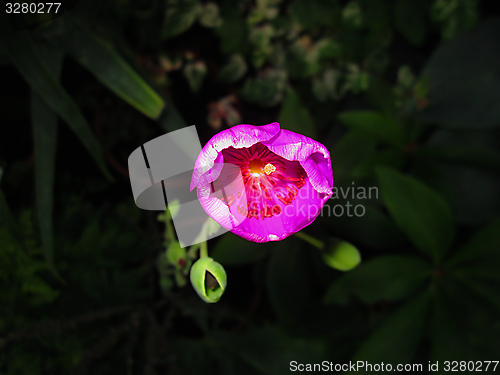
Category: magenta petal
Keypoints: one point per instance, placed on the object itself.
(238, 136)
(261, 182)
(295, 216)
(312, 155)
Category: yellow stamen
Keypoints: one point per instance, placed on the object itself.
(269, 168)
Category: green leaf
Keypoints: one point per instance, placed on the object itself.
(465, 95)
(482, 248)
(410, 18)
(396, 339)
(388, 157)
(465, 162)
(381, 95)
(234, 70)
(448, 340)
(195, 74)
(374, 125)
(418, 211)
(387, 277)
(210, 16)
(266, 89)
(484, 289)
(23, 53)
(352, 15)
(179, 17)
(289, 281)
(233, 32)
(9, 222)
(373, 229)
(272, 351)
(467, 155)
(171, 119)
(295, 116)
(45, 139)
(234, 250)
(349, 151)
(110, 69)
(311, 14)
(325, 86)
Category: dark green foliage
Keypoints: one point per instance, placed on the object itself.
(403, 93)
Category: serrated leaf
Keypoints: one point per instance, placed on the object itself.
(295, 116)
(266, 89)
(234, 70)
(374, 125)
(23, 53)
(233, 32)
(210, 16)
(111, 69)
(325, 86)
(421, 213)
(313, 13)
(387, 277)
(195, 74)
(179, 17)
(396, 339)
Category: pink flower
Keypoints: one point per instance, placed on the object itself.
(263, 183)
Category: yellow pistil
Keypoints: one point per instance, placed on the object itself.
(269, 168)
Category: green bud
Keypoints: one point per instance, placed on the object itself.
(176, 255)
(342, 256)
(209, 279)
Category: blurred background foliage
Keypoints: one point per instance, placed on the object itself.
(405, 94)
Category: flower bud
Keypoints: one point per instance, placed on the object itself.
(342, 256)
(209, 279)
(176, 255)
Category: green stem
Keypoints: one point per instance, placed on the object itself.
(169, 234)
(313, 241)
(203, 250)
(192, 251)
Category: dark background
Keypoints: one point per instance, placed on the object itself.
(404, 94)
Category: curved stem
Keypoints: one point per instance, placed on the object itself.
(313, 241)
(203, 250)
(192, 251)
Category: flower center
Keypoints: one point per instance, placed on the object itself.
(270, 181)
(255, 166)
